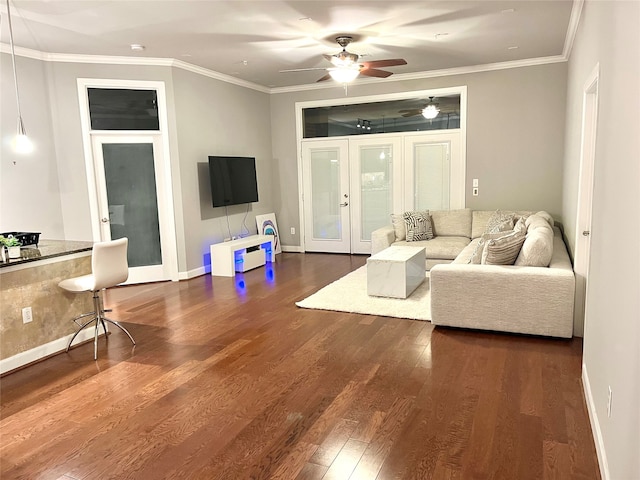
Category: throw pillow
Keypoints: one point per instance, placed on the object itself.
(399, 228)
(476, 258)
(503, 250)
(418, 226)
(500, 221)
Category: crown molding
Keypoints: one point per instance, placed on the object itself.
(123, 60)
(572, 29)
(400, 77)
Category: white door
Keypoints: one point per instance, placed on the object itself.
(434, 172)
(325, 165)
(129, 186)
(375, 167)
(585, 193)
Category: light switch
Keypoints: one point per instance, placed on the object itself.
(475, 182)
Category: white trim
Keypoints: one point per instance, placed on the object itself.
(169, 242)
(196, 272)
(595, 425)
(171, 62)
(42, 351)
(292, 248)
(572, 29)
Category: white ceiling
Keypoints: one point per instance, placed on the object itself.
(253, 40)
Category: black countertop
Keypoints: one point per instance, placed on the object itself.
(47, 249)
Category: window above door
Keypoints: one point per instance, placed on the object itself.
(397, 115)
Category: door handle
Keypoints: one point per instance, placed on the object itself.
(105, 220)
(344, 204)
(586, 233)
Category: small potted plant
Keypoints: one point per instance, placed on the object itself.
(12, 244)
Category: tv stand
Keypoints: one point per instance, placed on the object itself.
(241, 255)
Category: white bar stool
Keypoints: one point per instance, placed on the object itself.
(109, 268)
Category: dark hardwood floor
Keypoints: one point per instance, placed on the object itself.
(230, 380)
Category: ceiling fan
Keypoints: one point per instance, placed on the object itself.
(346, 67)
(430, 110)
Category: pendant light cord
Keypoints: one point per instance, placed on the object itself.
(21, 129)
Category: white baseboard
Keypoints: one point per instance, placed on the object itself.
(37, 353)
(292, 248)
(196, 272)
(595, 425)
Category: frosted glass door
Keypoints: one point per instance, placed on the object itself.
(129, 186)
(376, 183)
(434, 173)
(326, 196)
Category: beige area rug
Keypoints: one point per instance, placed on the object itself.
(349, 294)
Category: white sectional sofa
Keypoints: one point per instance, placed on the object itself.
(516, 298)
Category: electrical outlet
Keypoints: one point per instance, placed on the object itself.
(293, 231)
(475, 191)
(609, 403)
(27, 315)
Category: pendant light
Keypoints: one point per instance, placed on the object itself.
(21, 143)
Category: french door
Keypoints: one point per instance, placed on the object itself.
(129, 185)
(351, 186)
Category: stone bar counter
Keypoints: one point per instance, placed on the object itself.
(32, 281)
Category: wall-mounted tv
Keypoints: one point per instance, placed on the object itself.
(233, 180)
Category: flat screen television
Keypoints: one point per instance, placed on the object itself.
(233, 180)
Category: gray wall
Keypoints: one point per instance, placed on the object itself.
(29, 190)
(515, 138)
(218, 118)
(609, 34)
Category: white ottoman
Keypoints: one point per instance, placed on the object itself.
(395, 271)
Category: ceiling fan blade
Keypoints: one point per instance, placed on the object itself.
(391, 62)
(322, 79)
(372, 72)
(301, 69)
(411, 113)
(328, 57)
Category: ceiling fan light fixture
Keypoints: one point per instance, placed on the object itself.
(344, 74)
(430, 112)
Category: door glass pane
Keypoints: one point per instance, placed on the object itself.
(131, 193)
(325, 191)
(431, 173)
(375, 189)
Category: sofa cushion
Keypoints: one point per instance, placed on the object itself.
(399, 227)
(503, 250)
(443, 248)
(537, 248)
(418, 226)
(451, 223)
(547, 217)
(480, 218)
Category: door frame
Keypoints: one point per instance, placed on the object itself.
(165, 203)
(299, 106)
(582, 243)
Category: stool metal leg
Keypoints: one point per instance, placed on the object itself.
(98, 317)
